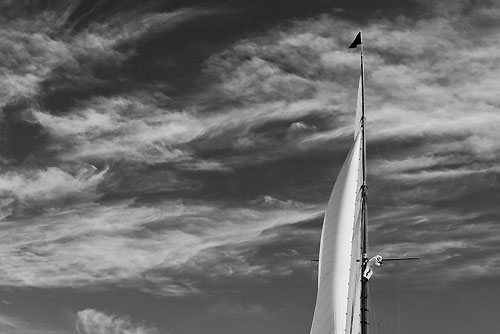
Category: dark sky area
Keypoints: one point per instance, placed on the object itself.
(164, 165)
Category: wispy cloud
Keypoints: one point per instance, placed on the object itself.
(119, 128)
(37, 51)
(42, 189)
(149, 248)
(8, 322)
(27, 60)
(90, 321)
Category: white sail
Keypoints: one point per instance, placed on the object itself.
(337, 309)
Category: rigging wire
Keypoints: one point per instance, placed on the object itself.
(398, 298)
(396, 197)
(402, 207)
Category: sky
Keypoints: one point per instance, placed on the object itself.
(165, 165)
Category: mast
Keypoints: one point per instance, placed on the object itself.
(364, 230)
(361, 120)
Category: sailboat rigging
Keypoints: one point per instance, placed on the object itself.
(343, 265)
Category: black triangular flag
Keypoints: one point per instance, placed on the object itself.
(356, 42)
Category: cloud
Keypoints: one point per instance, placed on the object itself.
(45, 188)
(39, 57)
(90, 321)
(121, 128)
(7, 322)
(162, 249)
(20, 73)
(17, 325)
(130, 129)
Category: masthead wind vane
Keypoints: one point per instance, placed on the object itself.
(356, 42)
